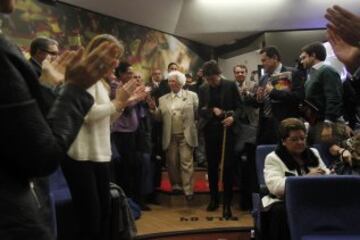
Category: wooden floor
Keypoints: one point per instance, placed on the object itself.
(179, 219)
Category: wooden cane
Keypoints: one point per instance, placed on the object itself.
(222, 160)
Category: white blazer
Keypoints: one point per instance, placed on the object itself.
(274, 174)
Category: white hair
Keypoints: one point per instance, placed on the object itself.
(178, 76)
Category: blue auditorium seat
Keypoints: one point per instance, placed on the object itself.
(323, 207)
(261, 152)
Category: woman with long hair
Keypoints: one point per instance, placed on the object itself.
(86, 167)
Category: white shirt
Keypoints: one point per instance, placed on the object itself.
(93, 140)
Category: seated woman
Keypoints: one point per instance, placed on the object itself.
(291, 158)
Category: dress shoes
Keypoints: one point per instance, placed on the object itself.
(189, 197)
(213, 205)
(227, 214)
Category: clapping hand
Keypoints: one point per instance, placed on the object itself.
(53, 72)
(123, 94)
(344, 23)
(260, 94)
(346, 53)
(151, 102)
(84, 71)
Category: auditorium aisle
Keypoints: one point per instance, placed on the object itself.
(189, 218)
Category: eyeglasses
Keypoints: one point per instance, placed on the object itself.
(50, 52)
(297, 139)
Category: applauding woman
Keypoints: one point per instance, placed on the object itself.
(86, 167)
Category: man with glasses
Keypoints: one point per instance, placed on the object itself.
(42, 48)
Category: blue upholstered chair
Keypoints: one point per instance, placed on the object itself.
(261, 152)
(64, 217)
(323, 207)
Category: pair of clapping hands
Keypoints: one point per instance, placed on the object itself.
(129, 94)
(74, 67)
(261, 92)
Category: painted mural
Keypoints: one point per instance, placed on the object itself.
(73, 27)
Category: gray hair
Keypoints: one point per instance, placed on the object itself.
(178, 76)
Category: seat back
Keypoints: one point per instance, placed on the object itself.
(323, 205)
(261, 152)
(57, 181)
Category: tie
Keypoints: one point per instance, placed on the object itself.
(267, 101)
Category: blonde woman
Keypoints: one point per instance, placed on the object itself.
(86, 167)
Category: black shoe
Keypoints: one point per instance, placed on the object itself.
(189, 197)
(144, 207)
(213, 205)
(177, 191)
(227, 214)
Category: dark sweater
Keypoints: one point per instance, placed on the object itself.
(324, 90)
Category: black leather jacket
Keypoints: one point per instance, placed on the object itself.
(32, 143)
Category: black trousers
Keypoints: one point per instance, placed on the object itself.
(275, 223)
(213, 135)
(128, 170)
(89, 187)
(267, 131)
(246, 175)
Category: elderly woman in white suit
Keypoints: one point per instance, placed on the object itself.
(177, 110)
(291, 158)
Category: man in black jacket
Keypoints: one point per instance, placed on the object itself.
(164, 84)
(33, 142)
(276, 104)
(219, 106)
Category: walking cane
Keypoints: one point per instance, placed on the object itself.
(222, 160)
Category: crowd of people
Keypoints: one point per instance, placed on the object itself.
(97, 118)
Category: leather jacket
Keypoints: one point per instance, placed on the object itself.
(34, 138)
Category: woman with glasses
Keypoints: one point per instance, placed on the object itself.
(290, 158)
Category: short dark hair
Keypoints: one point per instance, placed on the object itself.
(290, 124)
(316, 48)
(41, 43)
(172, 63)
(240, 66)
(122, 68)
(271, 52)
(211, 68)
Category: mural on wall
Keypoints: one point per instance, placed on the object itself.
(73, 27)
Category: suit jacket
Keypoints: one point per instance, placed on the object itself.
(164, 88)
(285, 104)
(249, 114)
(163, 112)
(230, 101)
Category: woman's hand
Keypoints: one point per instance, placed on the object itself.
(84, 71)
(345, 156)
(316, 171)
